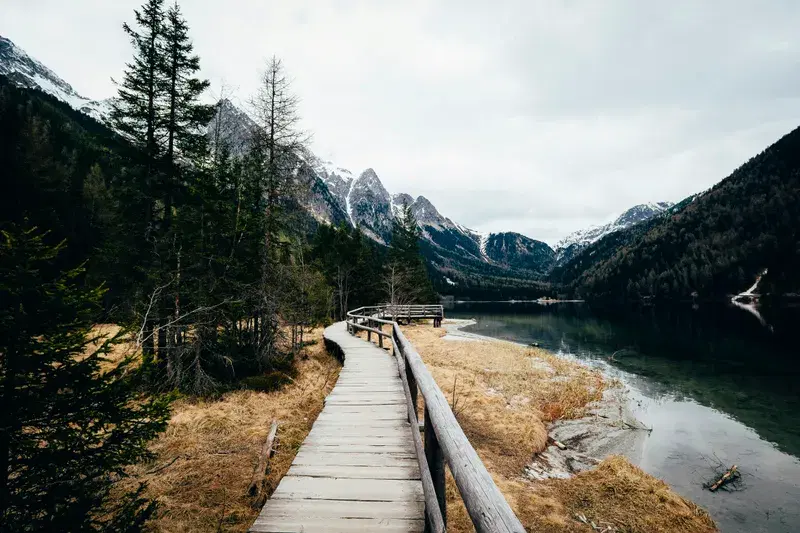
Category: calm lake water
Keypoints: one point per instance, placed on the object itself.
(717, 385)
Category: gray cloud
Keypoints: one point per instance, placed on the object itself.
(537, 117)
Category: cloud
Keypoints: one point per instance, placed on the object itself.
(531, 116)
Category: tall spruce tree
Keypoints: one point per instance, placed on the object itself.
(67, 428)
(138, 113)
(186, 116)
(406, 279)
(185, 151)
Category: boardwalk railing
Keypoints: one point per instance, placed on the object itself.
(445, 442)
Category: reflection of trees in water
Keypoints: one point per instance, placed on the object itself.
(718, 356)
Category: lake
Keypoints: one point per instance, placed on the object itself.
(718, 385)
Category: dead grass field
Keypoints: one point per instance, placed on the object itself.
(504, 395)
(206, 457)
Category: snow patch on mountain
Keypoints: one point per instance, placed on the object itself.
(25, 71)
(484, 240)
(585, 237)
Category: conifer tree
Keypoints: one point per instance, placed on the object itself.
(67, 428)
(185, 115)
(138, 113)
(138, 110)
(184, 153)
(406, 279)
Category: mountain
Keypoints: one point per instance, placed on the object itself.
(520, 251)
(572, 245)
(711, 245)
(25, 71)
(458, 257)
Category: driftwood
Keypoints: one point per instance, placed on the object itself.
(560, 445)
(256, 487)
(730, 475)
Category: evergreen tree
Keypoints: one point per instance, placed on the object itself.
(184, 153)
(68, 428)
(138, 110)
(139, 113)
(185, 116)
(406, 279)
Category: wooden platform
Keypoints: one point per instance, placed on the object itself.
(356, 470)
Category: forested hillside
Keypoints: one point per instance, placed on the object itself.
(709, 246)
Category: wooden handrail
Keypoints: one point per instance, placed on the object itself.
(445, 442)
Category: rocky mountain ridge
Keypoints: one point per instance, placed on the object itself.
(25, 71)
(574, 243)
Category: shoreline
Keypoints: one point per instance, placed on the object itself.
(576, 445)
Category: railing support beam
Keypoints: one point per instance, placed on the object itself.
(435, 457)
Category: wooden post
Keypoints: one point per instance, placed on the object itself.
(412, 387)
(380, 336)
(369, 333)
(435, 457)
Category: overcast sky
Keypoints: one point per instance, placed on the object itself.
(540, 117)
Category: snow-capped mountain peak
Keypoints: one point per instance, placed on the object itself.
(25, 71)
(573, 243)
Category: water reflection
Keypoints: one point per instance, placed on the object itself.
(719, 356)
(713, 383)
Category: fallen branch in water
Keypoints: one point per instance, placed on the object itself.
(731, 475)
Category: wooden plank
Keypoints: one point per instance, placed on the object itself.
(334, 509)
(331, 458)
(361, 448)
(352, 422)
(356, 472)
(365, 490)
(358, 400)
(372, 392)
(336, 525)
(390, 432)
(331, 439)
(368, 411)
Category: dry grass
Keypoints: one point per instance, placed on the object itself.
(616, 493)
(207, 455)
(504, 395)
(117, 352)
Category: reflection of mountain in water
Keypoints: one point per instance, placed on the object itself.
(717, 355)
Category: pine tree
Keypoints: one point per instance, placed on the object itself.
(185, 152)
(138, 110)
(67, 428)
(185, 115)
(406, 278)
(138, 113)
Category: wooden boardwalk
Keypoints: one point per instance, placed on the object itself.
(357, 470)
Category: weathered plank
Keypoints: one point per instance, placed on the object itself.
(354, 459)
(356, 472)
(336, 525)
(362, 490)
(333, 509)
